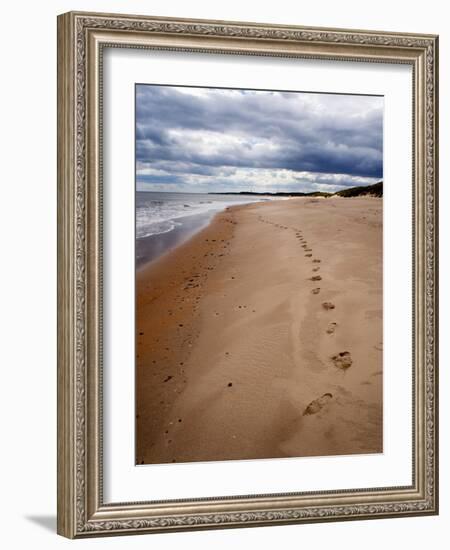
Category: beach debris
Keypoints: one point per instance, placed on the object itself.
(316, 278)
(315, 290)
(318, 404)
(230, 384)
(343, 360)
(328, 305)
(331, 328)
(168, 378)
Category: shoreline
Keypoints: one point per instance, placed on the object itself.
(236, 355)
(155, 246)
(151, 247)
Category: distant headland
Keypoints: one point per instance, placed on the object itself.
(375, 190)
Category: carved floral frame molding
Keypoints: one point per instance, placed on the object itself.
(81, 39)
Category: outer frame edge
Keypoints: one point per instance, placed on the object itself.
(67, 395)
(65, 385)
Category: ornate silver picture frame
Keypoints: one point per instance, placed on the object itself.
(82, 40)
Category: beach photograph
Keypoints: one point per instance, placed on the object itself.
(258, 274)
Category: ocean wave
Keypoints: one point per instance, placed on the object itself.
(155, 228)
(156, 217)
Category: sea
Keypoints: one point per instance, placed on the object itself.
(165, 220)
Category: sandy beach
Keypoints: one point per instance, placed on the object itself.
(261, 336)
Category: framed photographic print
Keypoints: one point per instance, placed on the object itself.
(247, 286)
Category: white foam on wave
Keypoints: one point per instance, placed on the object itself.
(146, 228)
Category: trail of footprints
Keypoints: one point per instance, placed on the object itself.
(342, 360)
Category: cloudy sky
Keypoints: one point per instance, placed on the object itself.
(206, 139)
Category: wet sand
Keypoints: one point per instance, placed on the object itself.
(261, 337)
(153, 246)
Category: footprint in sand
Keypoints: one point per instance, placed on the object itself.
(304, 246)
(318, 404)
(316, 268)
(317, 261)
(328, 305)
(308, 255)
(331, 329)
(316, 278)
(315, 290)
(343, 360)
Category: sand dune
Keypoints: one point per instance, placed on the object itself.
(262, 336)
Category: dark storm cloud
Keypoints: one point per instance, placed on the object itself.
(211, 132)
